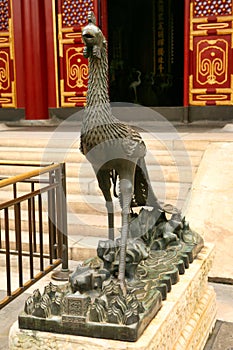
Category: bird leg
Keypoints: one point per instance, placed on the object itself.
(109, 206)
(103, 177)
(126, 188)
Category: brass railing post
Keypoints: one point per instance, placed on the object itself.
(63, 274)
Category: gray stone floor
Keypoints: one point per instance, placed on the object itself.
(8, 315)
(222, 336)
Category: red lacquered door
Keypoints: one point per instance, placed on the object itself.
(210, 53)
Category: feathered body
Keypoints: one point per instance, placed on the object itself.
(104, 138)
(99, 124)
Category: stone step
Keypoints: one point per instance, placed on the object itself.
(89, 220)
(71, 140)
(89, 186)
(44, 140)
(161, 173)
(94, 204)
(171, 162)
(153, 156)
(79, 247)
(42, 154)
(79, 224)
(85, 186)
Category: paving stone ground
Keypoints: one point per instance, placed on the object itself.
(222, 336)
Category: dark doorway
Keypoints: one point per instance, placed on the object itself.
(146, 51)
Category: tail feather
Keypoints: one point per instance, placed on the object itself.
(143, 192)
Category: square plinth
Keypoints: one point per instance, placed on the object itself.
(184, 322)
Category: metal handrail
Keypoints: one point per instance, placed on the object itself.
(29, 174)
(55, 187)
(24, 163)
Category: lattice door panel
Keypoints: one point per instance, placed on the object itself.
(72, 16)
(211, 52)
(7, 82)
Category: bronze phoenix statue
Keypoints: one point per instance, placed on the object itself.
(114, 149)
(152, 251)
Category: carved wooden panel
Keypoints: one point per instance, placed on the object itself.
(206, 8)
(211, 50)
(72, 16)
(7, 83)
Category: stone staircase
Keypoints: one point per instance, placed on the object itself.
(171, 161)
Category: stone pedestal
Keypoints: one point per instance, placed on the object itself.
(184, 322)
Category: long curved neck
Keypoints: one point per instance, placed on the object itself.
(98, 80)
(98, 109)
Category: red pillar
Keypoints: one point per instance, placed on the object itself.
(186, 51)
(35, 60)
